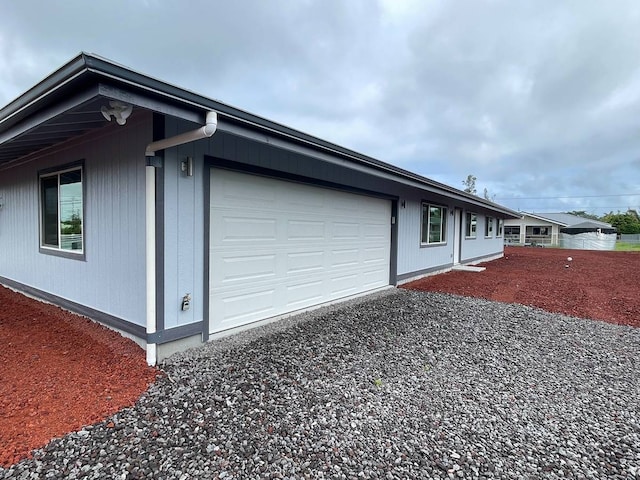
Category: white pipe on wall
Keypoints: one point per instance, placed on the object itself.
(207, 130)
(150, 259)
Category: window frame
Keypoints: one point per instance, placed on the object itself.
(500, 231)
(56, 172)
(471, 219)
(443, 224)
(488, 227)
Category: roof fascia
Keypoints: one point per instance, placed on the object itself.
(44, 88)
(283, 143)
(545, 219)
(84, 63)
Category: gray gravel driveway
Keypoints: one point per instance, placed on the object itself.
(400, 385)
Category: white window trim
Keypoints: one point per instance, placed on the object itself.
(488, 227)
(500, 231)
(443, 224)
(475, 232)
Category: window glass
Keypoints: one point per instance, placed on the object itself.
(50, 211)
(500, 226)
(434, 224)
(488, 227)
(61, 211)
(471, 225)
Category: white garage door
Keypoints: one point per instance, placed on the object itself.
(277, 246)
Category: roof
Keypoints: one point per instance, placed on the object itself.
(588, 226)
(565, 219)
(67, 104)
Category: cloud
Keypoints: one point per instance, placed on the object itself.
(535, 98)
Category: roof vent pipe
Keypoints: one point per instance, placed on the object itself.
(207, 130)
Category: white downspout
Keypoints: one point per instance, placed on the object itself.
(207, 130)
(150, 259)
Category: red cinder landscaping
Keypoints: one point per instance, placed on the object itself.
(59, 372)
(594, 284)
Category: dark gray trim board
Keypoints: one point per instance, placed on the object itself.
(158, 132)
(171, 334)
(109, 320)
(215, 162)
(425, 271)
(482, 257)
(206, 188)
(446, 266)
(159, 337)
(393, 257)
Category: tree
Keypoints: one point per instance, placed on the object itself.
(583, 214)
(628, 222)
(486, 195)
(470, 184)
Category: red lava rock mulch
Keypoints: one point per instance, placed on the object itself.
(596, 284)
(59, 372)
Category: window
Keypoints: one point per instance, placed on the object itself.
(500, 227)
(538, 231)
(512, 231)
(488, 227)
(61, 211)
(471, 225)
(434, 224)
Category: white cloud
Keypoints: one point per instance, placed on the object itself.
(536, 98)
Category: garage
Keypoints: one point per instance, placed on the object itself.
(277, 246)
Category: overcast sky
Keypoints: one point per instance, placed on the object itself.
(540, 100)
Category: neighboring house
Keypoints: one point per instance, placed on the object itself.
(541, 228)
(183, 218)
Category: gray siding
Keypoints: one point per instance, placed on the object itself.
(481, 246)
(412, 256)
(184, 215)
(184, 230)
(112, 277)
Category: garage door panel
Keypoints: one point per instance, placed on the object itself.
(343, 285)
(375, 232)
(304, 294)
(346, 257)
(345, 231)
(372, 278)
(289, 246)
(248, 229)
(305, 262)
(242, 268)
(233, 310)
(305, 230)
(234, 192)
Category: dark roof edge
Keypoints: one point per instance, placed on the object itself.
(47, 85)
(94, 63)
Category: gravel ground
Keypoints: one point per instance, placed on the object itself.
(401, 385)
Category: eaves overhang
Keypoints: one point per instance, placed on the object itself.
(29, 123)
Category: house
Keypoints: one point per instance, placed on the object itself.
(541, 228)
(175, 218)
